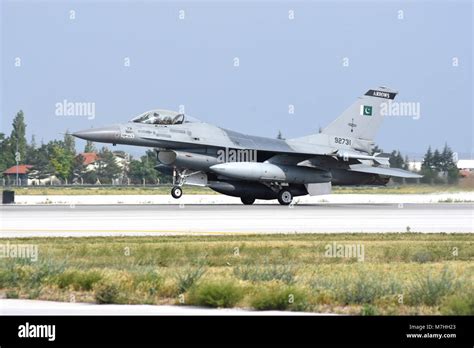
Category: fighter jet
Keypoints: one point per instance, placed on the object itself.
(253, 167)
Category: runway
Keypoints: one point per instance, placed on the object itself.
(159, 220)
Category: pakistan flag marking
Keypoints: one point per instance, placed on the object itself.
(365, 110)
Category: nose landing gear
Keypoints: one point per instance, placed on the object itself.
(185, 176)
(176, 192)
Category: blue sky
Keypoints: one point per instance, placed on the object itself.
(190, 62)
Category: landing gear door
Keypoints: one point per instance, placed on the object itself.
(319, 189)
(196, 179)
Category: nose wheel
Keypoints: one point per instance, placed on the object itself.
(176, 192)
(285, 197)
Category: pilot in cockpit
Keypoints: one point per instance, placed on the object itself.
(162, 117)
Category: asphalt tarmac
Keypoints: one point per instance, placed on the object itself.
(141, 220)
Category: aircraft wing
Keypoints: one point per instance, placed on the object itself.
(400, 173)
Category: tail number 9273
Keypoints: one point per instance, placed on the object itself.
(342, 141)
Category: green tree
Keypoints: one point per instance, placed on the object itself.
(107, 169)
(69, 143)
(405, 166)
(376, 149)
(145, 169)
(78, 169)
(90, 147)
(136, 171)
(7, 157)
(396, 160)
(18, 136)
(33, 141)
(31, 150)
(448, 165)
(436, 161)
(427, 168)
(62, 161)
(42, 158)
(428, 160)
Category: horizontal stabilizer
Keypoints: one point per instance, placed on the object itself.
(382, 158)
(400, 173)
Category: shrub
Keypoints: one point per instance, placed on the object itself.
(105, 293)
(279, 298)
(23, 272)
(361, 288)
(216, 294)
(12, 294)
(8, 277)
(461, 304)
(429, 290)
(188, 278)
(364, 289)
(422, 257)
(150, 282)
(44, 270)
(368, 310)
(265, 273)
(77, 279)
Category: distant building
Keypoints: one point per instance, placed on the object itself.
(466, 167)
(414, 166)
(89, 159)
(466, 164)
(122, 159)
(10, 175)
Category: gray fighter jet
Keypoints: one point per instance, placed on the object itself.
(253, 167)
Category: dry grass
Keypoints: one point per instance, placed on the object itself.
(400, 273)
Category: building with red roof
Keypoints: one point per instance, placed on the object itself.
(89, 157)
(22, 170)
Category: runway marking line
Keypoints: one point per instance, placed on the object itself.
(119, 231)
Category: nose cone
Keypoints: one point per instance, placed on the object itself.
(102, 135)
(219, 168)
(242, 170)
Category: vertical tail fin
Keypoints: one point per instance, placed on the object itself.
(363, 118)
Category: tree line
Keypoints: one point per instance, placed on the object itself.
(437, 167)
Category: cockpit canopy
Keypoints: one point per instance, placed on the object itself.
(164, 117)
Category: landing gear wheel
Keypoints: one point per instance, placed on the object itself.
(176, 192)
(285, 197)
(247, 200)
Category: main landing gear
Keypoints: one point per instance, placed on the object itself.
(247, 200)
(285, 197)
